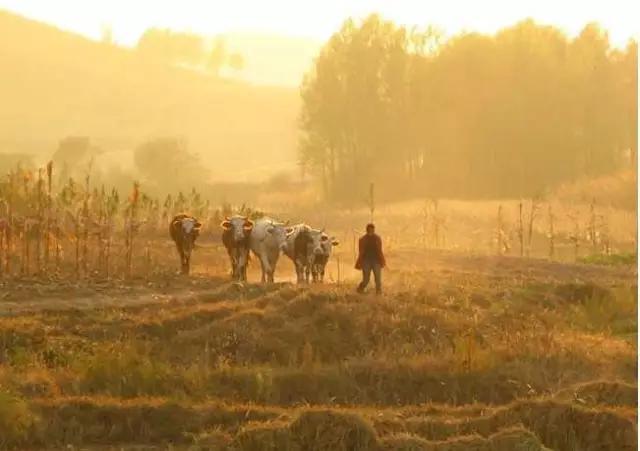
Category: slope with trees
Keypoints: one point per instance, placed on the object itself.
(55, 84)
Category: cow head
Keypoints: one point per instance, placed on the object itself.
(189, 228)
(322, 243)
(239, 226)
(280, 232)
(327, 242)
(315, 242)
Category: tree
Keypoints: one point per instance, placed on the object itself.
(511, 114)
(236, 62)
(167, 164)
(106, 35)
(171, 47)
(73, 157)
(217, 56)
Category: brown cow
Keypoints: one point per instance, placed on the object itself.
(184, 230)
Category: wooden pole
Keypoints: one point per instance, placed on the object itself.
(372, 200)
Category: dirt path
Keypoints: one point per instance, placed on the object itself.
(10, 308)
(18, 297)
(24, 297)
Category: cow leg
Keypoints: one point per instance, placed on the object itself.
(181, 258)
(187, 264)
(232, 260)
(310, 268)
(299, 271)
(272, 268)
(266, 268)
(242, 264)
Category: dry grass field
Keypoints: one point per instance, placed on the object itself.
(460, 352)
(498, 164)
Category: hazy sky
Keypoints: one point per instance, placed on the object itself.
(318, 19)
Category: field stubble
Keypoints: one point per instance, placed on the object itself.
(461, 352)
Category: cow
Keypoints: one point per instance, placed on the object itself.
(184, 231)
(235, 237)
(266, 241)
(320, 259)
(309, 249)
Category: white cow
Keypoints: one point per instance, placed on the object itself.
(309, 249)
(267, 239)
(320, 259)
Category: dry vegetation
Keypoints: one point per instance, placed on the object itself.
(461, 352)
(505, 325)
(102, 344)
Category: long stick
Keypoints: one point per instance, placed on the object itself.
(48, 219)
(520, 229)
(551, 235)
(8, 229)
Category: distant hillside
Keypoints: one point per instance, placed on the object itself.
(54, 83)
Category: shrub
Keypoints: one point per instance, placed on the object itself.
(15, 419)
(126, 373)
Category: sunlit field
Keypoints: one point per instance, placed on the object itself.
(494, 150)
(483, 352)
(469, 347)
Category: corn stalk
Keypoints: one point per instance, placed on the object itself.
(130, 227)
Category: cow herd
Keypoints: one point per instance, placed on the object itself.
(265, 238)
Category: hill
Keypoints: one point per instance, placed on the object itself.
(54, 83)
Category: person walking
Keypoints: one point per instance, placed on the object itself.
(370, 259)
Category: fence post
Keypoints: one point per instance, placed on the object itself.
(551, 235)
(520, 229)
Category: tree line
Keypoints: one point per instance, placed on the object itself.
(179, 47)
(475, 116)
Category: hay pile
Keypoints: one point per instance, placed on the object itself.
(329, 430)
(602, 393)
(560, 425)
(325, 430)
(272, 436)
(321, 430)
(515, 439)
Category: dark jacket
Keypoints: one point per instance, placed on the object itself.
(370, 248)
